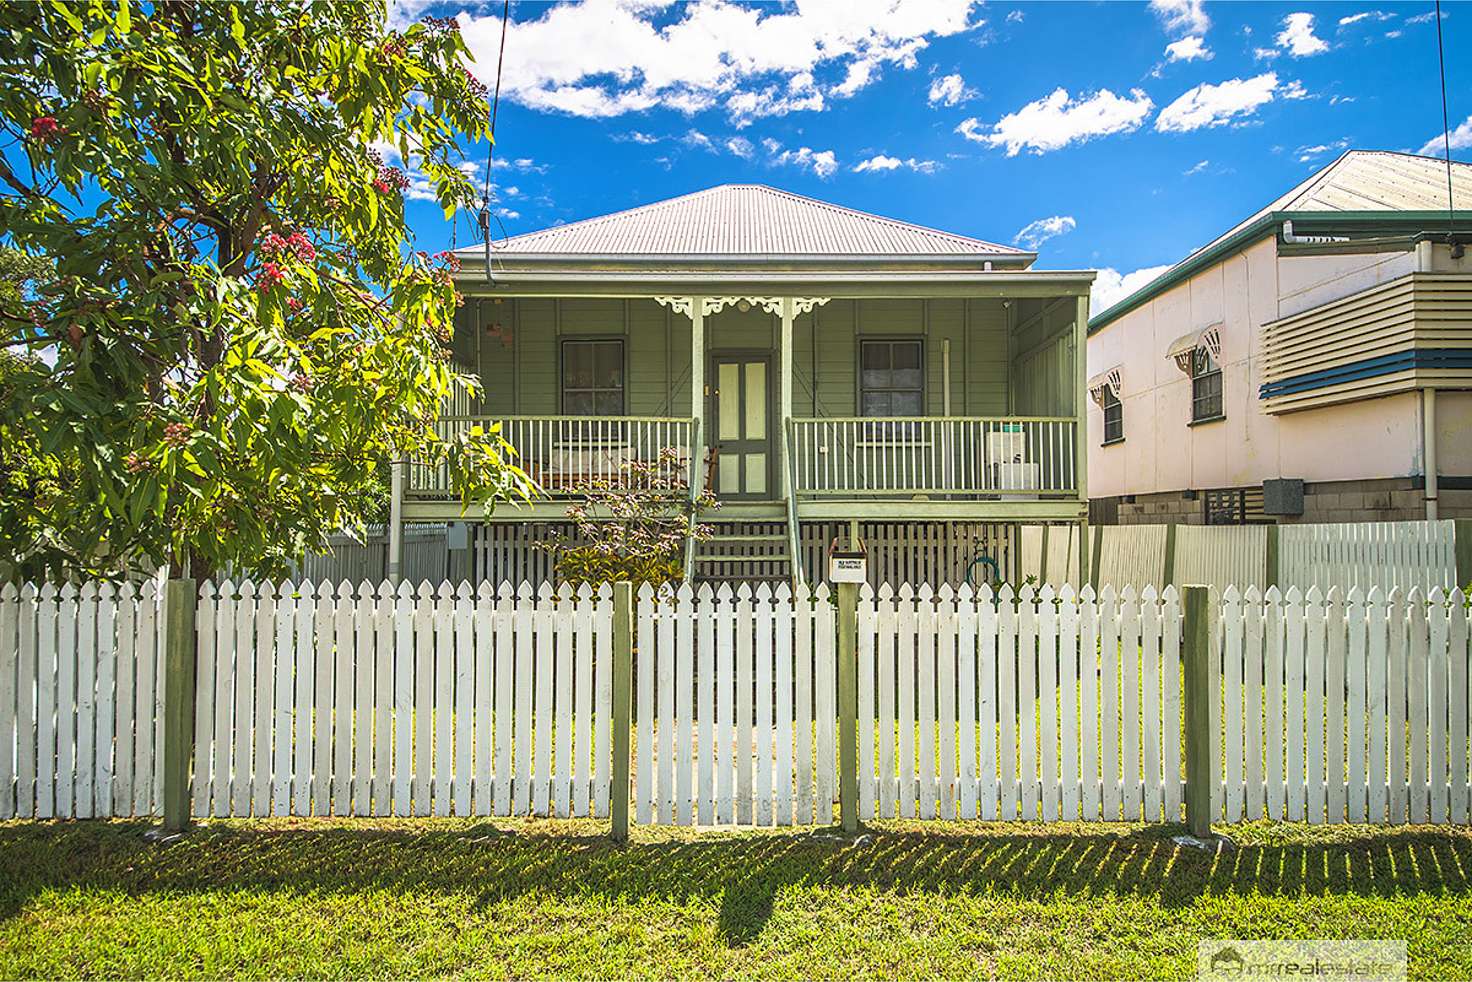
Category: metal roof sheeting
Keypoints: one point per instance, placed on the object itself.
(1376, 182)
(744, 220)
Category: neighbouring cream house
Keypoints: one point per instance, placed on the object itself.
(816, 365)
(1313, 364)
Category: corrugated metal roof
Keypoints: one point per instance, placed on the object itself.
(1372, 180)
(744, 220)
(1358, 181)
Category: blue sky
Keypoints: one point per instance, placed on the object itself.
(1110, 135)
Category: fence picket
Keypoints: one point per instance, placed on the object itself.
(884, 617)
(1457, 706)
(745, 627)
(762, 653)
(868, 778)
(1090, 785)
(1007, 704)
(582, 777)
(1418, 680)
(905, 616)
(1438, 778)
(1047, 682)
(945, 622)
(562, 697)
(705, 669)
(967, 703)
(925, 686)
(1356, 668)
(1109, 710)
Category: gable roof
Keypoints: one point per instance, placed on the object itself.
(750, 222)
(1363, 183)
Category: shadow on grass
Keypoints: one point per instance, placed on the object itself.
(742, 873)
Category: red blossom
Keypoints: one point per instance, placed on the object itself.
(269, 276)
(45, 128)
(176, 434)
(293, 303)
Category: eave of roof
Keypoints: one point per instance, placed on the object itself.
(1270, 223)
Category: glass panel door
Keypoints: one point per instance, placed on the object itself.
(741, 407)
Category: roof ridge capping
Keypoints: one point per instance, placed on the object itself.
(1357, 182)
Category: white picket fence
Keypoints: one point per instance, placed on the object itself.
(1040, 706)
(81, 701)
(343, 700)
(1342, 707)
(735, 703)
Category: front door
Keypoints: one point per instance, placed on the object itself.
(741, 420)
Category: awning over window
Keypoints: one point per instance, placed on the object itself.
(1104, 380)
(1183, 347)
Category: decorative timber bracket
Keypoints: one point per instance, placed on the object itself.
(714, 305)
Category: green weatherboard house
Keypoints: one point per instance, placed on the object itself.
(813, 364)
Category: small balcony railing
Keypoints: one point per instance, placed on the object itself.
(966, 456)
(567, 454)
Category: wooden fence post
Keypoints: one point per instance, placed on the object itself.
(1270, 574)
(1168, 571)
(622, 722)
(848, 706)
(179, 600)
(1196, 651)
(1462, 550)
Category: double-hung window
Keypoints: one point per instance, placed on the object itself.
(1206, 387)
(891, 378)
(593, 377)
(1113, 416)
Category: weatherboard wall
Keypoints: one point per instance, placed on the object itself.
(518, 339)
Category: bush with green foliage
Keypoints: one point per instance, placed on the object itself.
(633, 527)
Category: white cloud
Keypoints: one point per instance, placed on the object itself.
(950, 90)
(1427, 17)
(1293, 89)
(741, 147)
(1379, 15)
(1112, 286)
(599, 58)
(1265, 54)
(1015, 17)
(1335, 100)
(1461, 139)
(1196, 168)
(823, 163)
(1209, 105)
(524, 165)
(881, 162)
(1298, 38)
(634, 136)
(1034, 234)
(1188, 48)
(695, 138)
(1182, 16)
(1057, 120)
(1308, 153)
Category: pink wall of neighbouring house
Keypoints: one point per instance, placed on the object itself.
(1161, 452)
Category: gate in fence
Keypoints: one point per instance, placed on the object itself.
(379, 700)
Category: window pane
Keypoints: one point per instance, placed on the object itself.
(756, 400)
(874, 378)
(906, 354)
(610, 402)
(577, 368)
(904, 403)
(876, 404)
(609, 364)
(728, 401)
(906, 378)
(578, 403)
(875, 356)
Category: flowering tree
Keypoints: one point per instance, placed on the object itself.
(238, 334)
(633, 527)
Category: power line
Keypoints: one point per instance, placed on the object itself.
(490, 155)
(1446, 141)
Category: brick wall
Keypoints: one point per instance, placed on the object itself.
(1387, 500)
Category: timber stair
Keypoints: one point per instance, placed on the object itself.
(743, 557)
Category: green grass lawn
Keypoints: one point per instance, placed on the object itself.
(541, 898)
